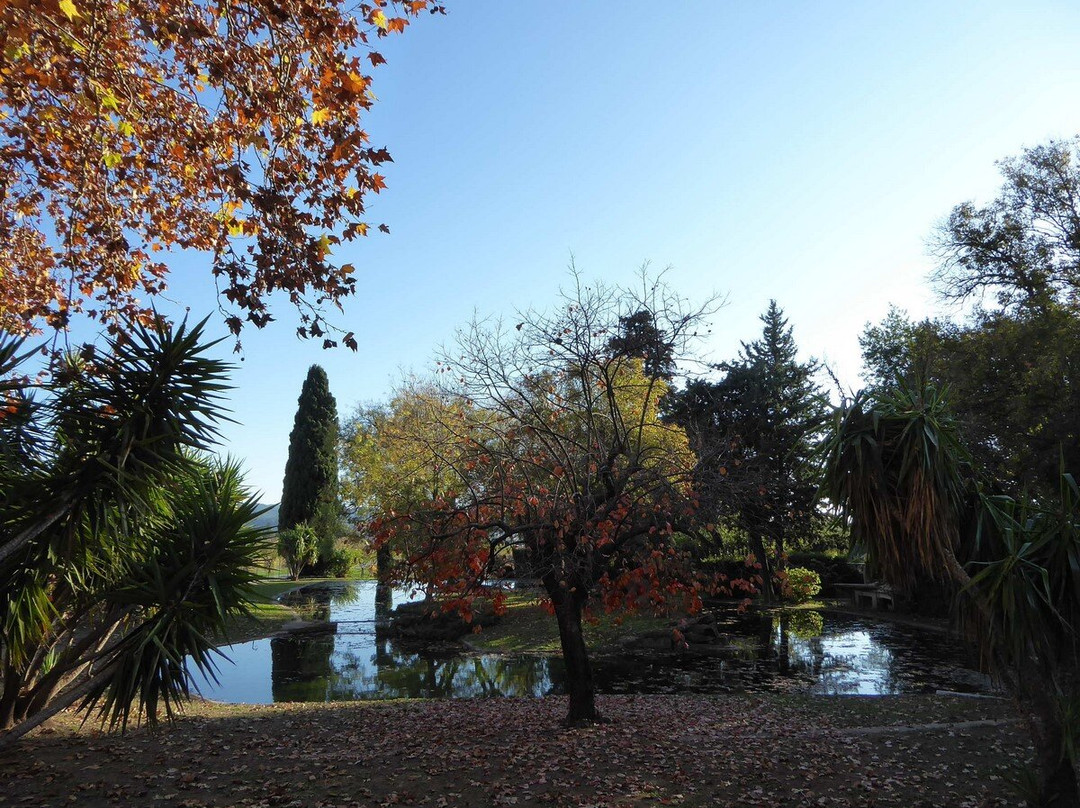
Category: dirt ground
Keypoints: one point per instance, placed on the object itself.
(654, 750)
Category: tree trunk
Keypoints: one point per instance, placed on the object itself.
(762, 557)
(579, 678)
(9, 696)
(1057, 779)
(1056, 776)
(383, 565)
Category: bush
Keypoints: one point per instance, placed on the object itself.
(832, 569)
(299, 547)
(340, 562)
(799, 584)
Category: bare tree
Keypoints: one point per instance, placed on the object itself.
(568, 460)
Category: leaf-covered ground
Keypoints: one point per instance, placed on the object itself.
(655, 750)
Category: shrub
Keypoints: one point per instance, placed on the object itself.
(340, 562)
(832, 569)
(800, 584)
(299, 547)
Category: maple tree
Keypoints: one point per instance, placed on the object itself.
(565, 458)
(231, 127)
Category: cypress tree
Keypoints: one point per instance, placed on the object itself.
(311, 473)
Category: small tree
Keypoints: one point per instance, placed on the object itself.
(310, 490)
(402, 457)
(299, 548)
(565, 456)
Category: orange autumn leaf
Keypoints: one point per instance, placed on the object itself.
(126, 125)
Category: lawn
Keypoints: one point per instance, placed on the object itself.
(527, 628)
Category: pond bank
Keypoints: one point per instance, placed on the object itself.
(670, 750)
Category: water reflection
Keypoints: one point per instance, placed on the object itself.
(799, 651)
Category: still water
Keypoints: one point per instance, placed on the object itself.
(807, 652)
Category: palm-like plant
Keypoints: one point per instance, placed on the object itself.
(122, 551)
(896, 467)
(1028, 593)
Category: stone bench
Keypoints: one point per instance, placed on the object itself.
(876, 598)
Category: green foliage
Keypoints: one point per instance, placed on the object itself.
(299, 548)
(121, 544)
(341, 560)
(310, 490)
(638, 336)
(1024, 247)
(191, 574)
(1009, 375)
(799, 584)
(329, 525)
(896, 467)
(831, 568)
(755, 431)
(1010, 369)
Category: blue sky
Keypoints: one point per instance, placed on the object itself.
(797, 151)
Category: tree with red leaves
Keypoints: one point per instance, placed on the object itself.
(561, 454)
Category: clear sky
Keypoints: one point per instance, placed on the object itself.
(791, 150)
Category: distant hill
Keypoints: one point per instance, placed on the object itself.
(268, 519)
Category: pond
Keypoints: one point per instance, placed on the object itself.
(806, 651)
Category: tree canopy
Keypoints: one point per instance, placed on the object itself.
(755, 431)
(1023, 247)
(129, 129)
(552, 444)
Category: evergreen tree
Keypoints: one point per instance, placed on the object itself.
(641, 337)
(786, 419)
(311, 472)
(755, 430)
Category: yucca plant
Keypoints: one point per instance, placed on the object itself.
(1027, 593)
(123, 550)
(896, 467)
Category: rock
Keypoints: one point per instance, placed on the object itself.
(660, 640)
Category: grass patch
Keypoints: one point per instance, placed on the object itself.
(267, 615)
(528, 629)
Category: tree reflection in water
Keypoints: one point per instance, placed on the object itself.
(799, 650)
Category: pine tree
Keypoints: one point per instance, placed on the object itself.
(755, 430)
(311, 472)
(790, 414)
